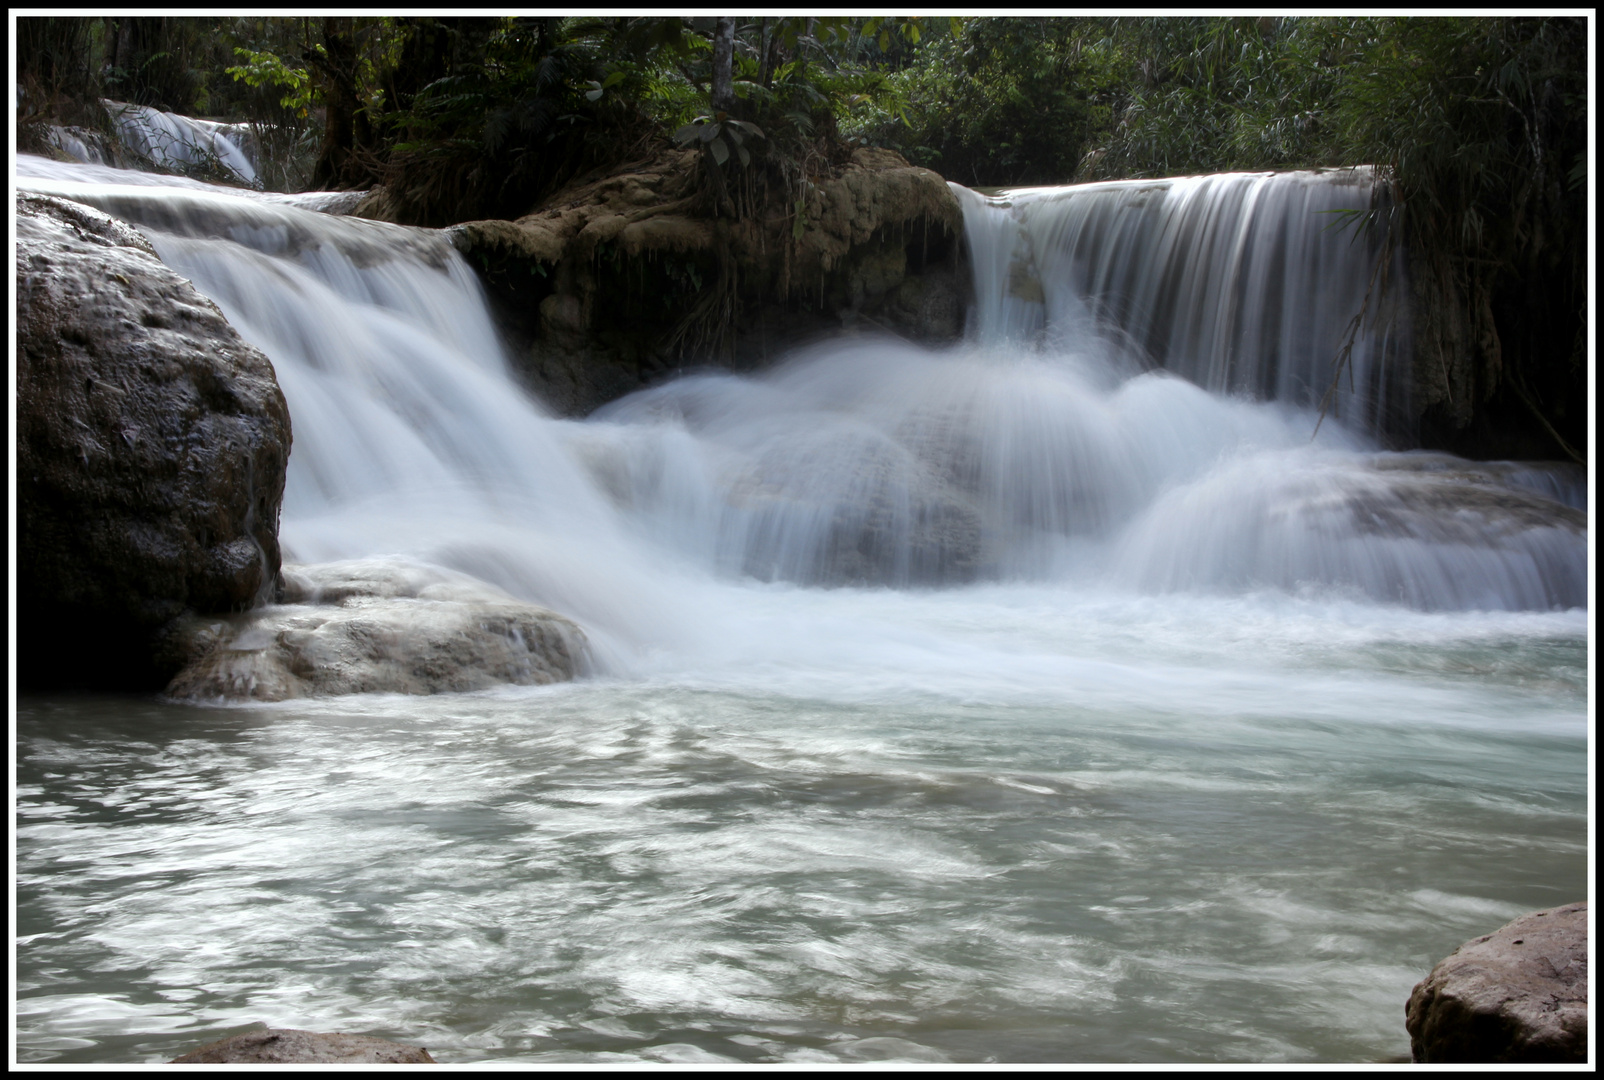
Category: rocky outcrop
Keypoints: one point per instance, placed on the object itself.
(618, 281)
(151, 447)
(1517, 995)
(287, 1046)
(376, 626)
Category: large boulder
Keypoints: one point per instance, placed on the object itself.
(288, 1046)
(151, 447)
(617, 282)
(1517, 995)
(376, 626)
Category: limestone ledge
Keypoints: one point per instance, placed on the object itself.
(376, 626)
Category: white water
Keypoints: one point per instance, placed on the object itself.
(1242, 282)
(170, 141)
(1145, 728)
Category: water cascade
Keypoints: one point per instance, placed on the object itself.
(164, 141)
(1244, 283)
(879, 462)
(1054, 668)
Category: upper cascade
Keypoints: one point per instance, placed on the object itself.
(149, 138)
(1244, 283)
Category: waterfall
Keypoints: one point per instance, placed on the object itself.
(170, 141)
(166, 141)
(1038, 698)
(1244, 283)
(871, 462)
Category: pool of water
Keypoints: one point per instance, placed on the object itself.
(998, 823)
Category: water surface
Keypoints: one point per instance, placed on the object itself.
(993, 824)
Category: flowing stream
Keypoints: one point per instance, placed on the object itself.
(1050, 697)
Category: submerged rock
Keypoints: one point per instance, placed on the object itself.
(1432, 540)
(854, 508)
(1561, 481)
(1517, 995)
(376, 626)
(288, 1046)
(151, 447)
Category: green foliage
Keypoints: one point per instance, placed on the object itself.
(265, 69)
(719, 136)
(1209, 94)
(1481, 124)
(516, 106)
(1483, 117)
(992, 101)
(55, 70)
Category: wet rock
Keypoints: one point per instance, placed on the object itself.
(287, 1046)
(1517, 995)
(622, 281)
(151, 447)
(376, 626)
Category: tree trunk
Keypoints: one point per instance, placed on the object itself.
(724, 65)
(765, 46)
(338, 70)
(123, 53)
(424, 52)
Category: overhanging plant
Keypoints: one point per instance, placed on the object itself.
(719, 137)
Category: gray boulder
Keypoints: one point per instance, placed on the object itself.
(1517, 995)
(287, 1046)
(151, 447)
(376, 626)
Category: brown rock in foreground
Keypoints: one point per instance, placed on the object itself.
(287, 1046)
(1517, 995)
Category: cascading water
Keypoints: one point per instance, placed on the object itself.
(1016, 701)
(1244, 283)
(168, 141)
